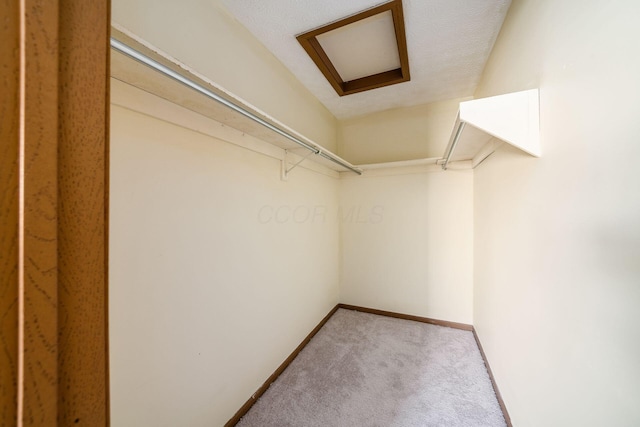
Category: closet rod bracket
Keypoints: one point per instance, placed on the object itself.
(285, 163)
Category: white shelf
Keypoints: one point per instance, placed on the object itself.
(512, 118)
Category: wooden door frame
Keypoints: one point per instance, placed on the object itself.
(54, 151)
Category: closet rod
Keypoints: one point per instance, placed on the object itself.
(453, 145)
(132, 53)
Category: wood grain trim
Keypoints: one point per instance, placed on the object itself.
(54, 57)
(249, 403)
(318, 55)
(39, 248)
(503, 407)
(401, 38)
(83, 152)
(373, 82)
(455, 325)
(389, 6)
(9, 207)
(310, 44)
(107, 209)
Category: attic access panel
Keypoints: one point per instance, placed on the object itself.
(364, 51)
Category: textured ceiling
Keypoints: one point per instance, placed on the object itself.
(448, 41)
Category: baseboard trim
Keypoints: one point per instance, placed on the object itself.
(455, 325)
(503, 407)
(249, 403)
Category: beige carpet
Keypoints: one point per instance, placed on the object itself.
(367, 370)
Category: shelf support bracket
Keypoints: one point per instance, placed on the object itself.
(285, 162)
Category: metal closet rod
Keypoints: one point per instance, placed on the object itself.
(453, 145)
(132, 53)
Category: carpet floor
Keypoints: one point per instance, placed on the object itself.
(362, 369)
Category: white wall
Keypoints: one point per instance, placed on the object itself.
(557, 239)
(407, 243)
(203, 35)
(218, 269)
(409, 133)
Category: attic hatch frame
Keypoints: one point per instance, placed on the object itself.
(315, 51)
